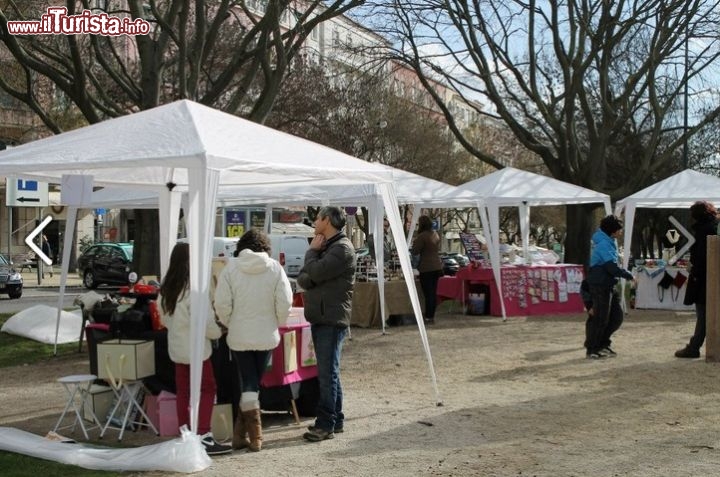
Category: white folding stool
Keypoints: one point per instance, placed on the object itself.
(78, 389)
(126, 394)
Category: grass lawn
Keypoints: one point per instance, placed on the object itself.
(17, 351)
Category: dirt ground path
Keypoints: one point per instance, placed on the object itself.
(519, 399)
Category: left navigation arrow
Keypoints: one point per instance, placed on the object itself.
(33, 246)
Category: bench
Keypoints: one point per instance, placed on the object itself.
(25, 260)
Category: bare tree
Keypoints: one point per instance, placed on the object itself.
(580, 84)
(218, 53)
(359, 114)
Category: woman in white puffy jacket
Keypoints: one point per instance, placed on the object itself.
(253, 297)
(174, 300)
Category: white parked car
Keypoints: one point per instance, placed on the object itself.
(289, 250)
(222, 246)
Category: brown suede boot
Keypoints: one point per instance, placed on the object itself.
(239, 440)
(253, 424)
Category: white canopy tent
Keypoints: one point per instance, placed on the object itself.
(187, 147)
(510, 187)
(413, 189)
(676, 192)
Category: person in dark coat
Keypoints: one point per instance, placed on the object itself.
(705, 218)
(328, 277)
(47, 250)
(427, 246)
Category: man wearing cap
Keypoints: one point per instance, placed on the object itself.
(602, 277)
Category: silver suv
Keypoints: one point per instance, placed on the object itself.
(11, 281)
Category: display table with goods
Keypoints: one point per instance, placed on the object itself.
(291, 376)
(366, 302)
(659, 286)
(526, 290)
(366, 311)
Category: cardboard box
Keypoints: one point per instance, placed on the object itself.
(99, 401)
(126, 359)
(162, 412)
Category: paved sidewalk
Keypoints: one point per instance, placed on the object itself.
(30, 279)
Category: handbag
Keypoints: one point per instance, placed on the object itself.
(665, 282)
(679, 280)
(678, 283)
(415, 261)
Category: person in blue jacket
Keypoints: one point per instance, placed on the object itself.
(603, 274)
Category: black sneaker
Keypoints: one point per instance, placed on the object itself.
(317, 435)
(212, 447)
(595, 355)
(608, 352)
(337, 430)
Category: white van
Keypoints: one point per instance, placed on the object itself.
(289, 250)
(222, 246)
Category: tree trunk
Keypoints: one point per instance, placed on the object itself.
(581, 223)
(146, 250)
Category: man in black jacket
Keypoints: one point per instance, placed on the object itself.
(327, 278)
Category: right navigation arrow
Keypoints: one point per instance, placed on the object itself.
(686, 247)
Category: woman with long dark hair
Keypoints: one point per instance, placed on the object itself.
(253, 297)
(427, 246)
(174, 299)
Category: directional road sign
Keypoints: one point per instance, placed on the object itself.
(26, 193)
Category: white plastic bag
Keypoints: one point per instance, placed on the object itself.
(184, 454)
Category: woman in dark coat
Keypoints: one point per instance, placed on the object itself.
(427, 245)
(705, 218)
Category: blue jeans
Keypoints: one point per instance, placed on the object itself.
(250, 367)
(328, 342)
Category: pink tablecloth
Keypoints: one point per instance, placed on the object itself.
(538, 290)
(276, 375)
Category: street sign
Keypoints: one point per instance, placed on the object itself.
(29, 240)
(26, 193)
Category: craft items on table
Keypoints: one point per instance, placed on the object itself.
(659, 286)
(526, 290)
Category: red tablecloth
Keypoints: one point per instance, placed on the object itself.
(276, 375)
(536, 290)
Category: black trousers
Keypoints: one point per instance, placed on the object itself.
(698, 338)
(226, 375)
(606, 318)
(428, 283)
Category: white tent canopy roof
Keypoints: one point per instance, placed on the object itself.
(410, 189)
(677, 191)
(511, 187)
(154, 147)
